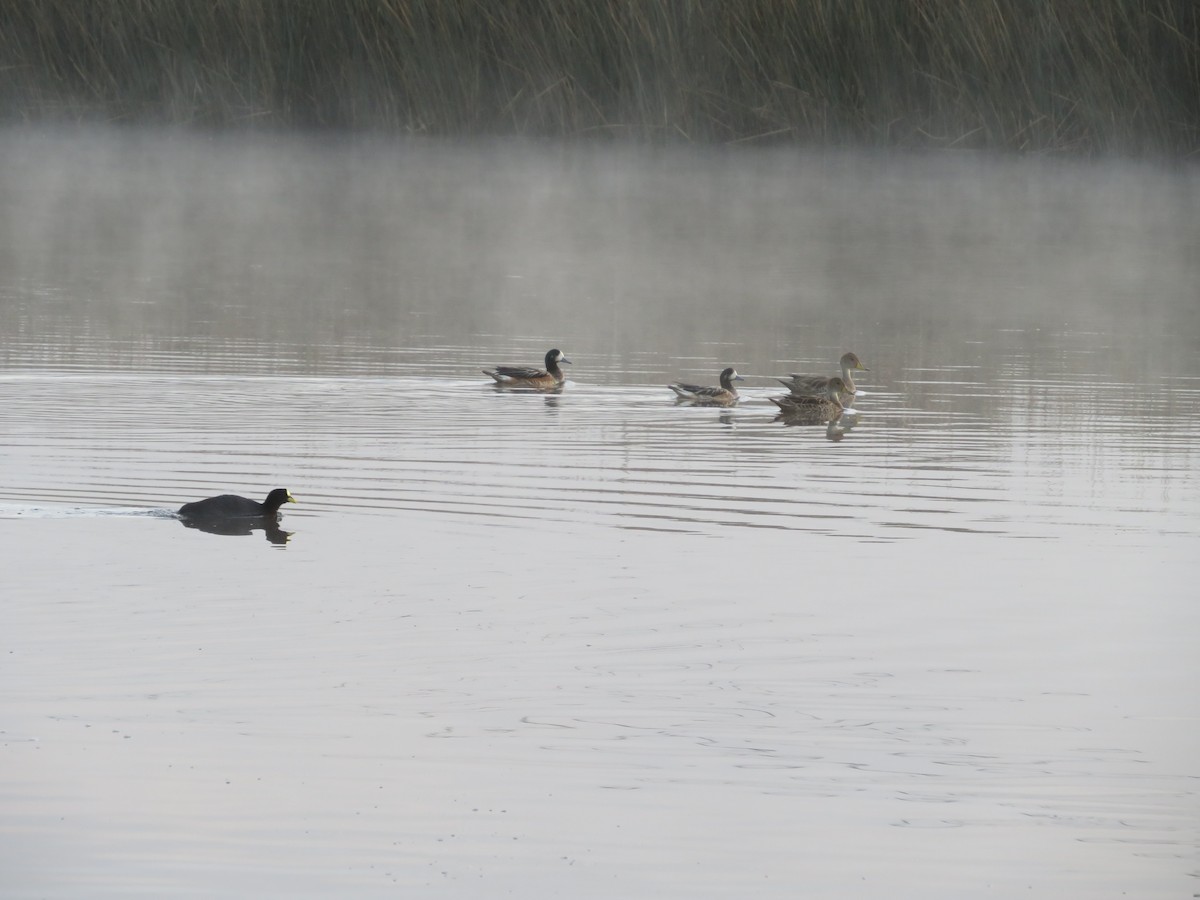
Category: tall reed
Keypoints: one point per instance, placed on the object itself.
(1104, 76)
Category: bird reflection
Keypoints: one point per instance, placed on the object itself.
(269, 525)
(501, 387)
(836, 427)
(706, 401)
(793, 416)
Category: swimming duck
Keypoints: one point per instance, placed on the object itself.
(527, 376)
(816, 385)
(231, 506)
(813, 408)
(695, 393)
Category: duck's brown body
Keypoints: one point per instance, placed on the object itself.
(700, 394)
(813, 410)
(818, 385)
(527, 376)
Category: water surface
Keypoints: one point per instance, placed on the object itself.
(592, 643)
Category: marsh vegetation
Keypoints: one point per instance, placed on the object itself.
(1114, 76)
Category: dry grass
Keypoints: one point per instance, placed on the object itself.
(1109, 76)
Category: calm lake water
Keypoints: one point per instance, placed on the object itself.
(594, 644)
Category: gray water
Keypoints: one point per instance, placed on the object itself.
(591, 643)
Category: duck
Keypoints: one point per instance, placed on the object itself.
(816, 385)
(815, 409)
(231, 506)
(528, 376)
(695, 393)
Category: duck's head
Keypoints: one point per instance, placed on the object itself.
(729, 375)
(278, 497)
(556, 356)
(851, 361)
(836, 388)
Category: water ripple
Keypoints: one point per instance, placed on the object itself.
(590, 456)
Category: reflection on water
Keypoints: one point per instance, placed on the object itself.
(241, 527)
(836, 427)
(606, 456)
(620, 456)
(587, 641)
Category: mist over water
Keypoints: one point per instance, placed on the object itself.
(591, 642)
(327, 250)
